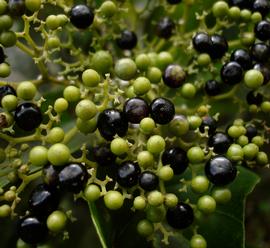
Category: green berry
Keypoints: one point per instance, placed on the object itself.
(164, 59)
(242, 140)
(6, 22)
(188, 91)
(154, 75)
(262, 159)
(102, 62)
(139, 203)
(58, 154)
(235, 131)
(3, 6)
(141, 86)
(166, 173)
(26, 90)
(198, 241)
(250, 151)
(119, 146)
(222, 195)
(38, 156)
(145, 228)
(92, 192)
(108, 9)
(153, 58)
(4, 70)
(91, 78)
(5, 211)
(88, 126)
(253, 79)
(206, 204)
(55, 135)
(235, 152)
(125, 69)
(60, 105)
(179, 125)
(156, 213)
(155, 198)
(256, 17)
(33, 5)
(53, 42)
(234, 13)
(171, 200)
(200, 184)
(220, 9)
(195, 155)
(85, 109)
(155, 144)
(9, 102)
(245, 15)
(204, 59)
(247, 39)
(142, 62)
(194, 121)
(113, 200)
(72, 93)
(265, 106)
(22, 244)
(147, 125)
(258, 140)
(56, 221)
(145, 159)
(52, 22)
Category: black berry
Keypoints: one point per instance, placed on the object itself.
(176, 158)
(262, 30)
(28, 116)
(111, 122)
(174, 76)
(210, 123)
(174, 1)
(73, 177)
(181, 216)
(242, 4)
(6, 90)
(201, 42)
(103, 155)
(165, 28)
(220, 142)
(128, 174)
(251, 131)
(162, 110)
(231, 73)
(219, 46)
(81, 16)
(2, 55)
(16, 7)
(212, 88)
(262, 6)
(254, 98)
(136, 109)
(260, 52)
(127, 40)
(148, 180)
(220, 170)
(242, 57)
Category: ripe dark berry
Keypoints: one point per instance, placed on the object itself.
(148, 180)
(260, 52)
(81, 16)
(176, 158)
(103, 155)
(262, 6)
(127, 40)
(111, 122)
(16, 7)
(201, 42)
(220, 142)
(262, 30)
(50, 175)
(73, 177)
(219, 46)
(231, 73)
(2, 55)
(254, 98)
(181, 216)
(174, 76)
(242, 57)
(264, 70)
(128, 174)
(162, 110)
(28, 116)
(31, 230)
(251, 132)
(43, 200)
(6, 90)
(210, 123)
(174, 1)
(165, 28)
(136, 109)
(242, 4)
(220, 170)
(212, 88)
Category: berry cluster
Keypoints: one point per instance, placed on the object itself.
(133, 105)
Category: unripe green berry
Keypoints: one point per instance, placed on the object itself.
(164, 59)
(194, 121)
(22, 244)
(262, 159)
(38, 156)
(26, 90)
(92, 192)
(142, 62)
(199, 184)
(56, 221)
(256, 17)
(250, 151)
(145, 228)
(206, 204)
(145, 159)
(235, 152)
(198, 241)
(113, 200)
(125, 69)
(235, 131)
(165, 173)
(147, 125)
(52, 22)
(60, 105)
(33, 5)
(155, 198)
(153, 58)
(253, 79)
(85, 109)
(91, 78)
(155, 144)
(204, 59)
(222, 195)
(141, 85)
(58, 154)
(6, 22)
(171, 200)
(139, 203)
(55, 135)
(247, 39)
(220, 9)
(119, 146)
(5, 211)
(155, 214)
(108, 9)
(265, 106)
(154, 75)
(53, 42)
(10, 195)
(9, 102)
(72, 93)
(3, 6)
(258, 140)
(234, 13)
(62, 19)
(195, 155)
(8, 38)
(188, 91)
(4, 70)
(242, 140)
(179, 125)
(88, 126)
(245, 15)
(102, 62)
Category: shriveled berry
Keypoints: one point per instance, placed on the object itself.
(174, 76)
(128, 174)
(148, 180)
(165, 28)
(81, 16)
(50, 175)
(127, 40)
(220, 142)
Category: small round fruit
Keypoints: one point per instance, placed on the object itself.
(139, 203)
(262, 30)
(155, 214)
(141, 85)
(155, 144)
(56, 135)
(145, 228)
(208, 123)
(253, 79)
(102, 62)
(165, 173)
(165, 27)
(85, 109)
(72, 93)
(58, 154)
(231, 73)
(119, 146)
(148, 180)
(125, 69)
(9, 102)
(91, 78)
(220, 142)
(56, 221)
(103, 155)
(147, 125)
(26, 90)
(127, 40)
(199, 184)
(92, 192)
(198, 241)
(222, 195)
(155, 198)
(174, 76)
(5, 70)
(206, 204)
(81, 16)
(38, 156)
(33, 5)
(171, 200)
(60, 105)
(113, 200)
(128, 174)
(242, 57)
(195, 155)
(201, 42)
(145, 159)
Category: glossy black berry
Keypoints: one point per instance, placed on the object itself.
(43, 200)
(136, 109)
(28, 116)
(181, 216)
(251, 131)
(219, 46)
(81, 16)
(31, 230)
(254, 98)
(262, 30)
(210, 123)
(260, 52)
(162, 110)
(127, 40)
(176, 158)
(174, 1)
(264, 70)
(111, 122)
(6, 90)
(201, 42)
(165, 28)
(231, 73)
(148, 180)
(128, 174)
(50, 175)
(262, 6)
(242, 57)
(220, 142)
(103, 155)
(174, 76)
(16, 7)
(242, 4)
(212, 87)
(220, 170)
(73, 177)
